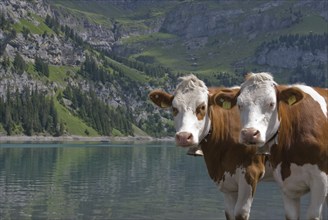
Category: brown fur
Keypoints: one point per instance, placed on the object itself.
(161, 99)
(302, 135)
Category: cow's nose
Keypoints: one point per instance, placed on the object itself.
(250, 135)
(184, 139)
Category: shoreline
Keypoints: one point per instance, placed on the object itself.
(72, 138)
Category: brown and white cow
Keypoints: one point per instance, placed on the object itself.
(297, 115)
(233, 166)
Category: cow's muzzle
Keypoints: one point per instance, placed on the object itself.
(184, 139)
(250, 136)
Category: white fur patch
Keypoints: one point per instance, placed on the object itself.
(303, 179)
(316, 96)
(237, 183)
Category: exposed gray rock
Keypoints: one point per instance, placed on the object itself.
(19, 82)
(290, 57)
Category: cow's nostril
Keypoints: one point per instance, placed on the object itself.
(256, 133)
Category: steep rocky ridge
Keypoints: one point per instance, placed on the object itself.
(102, 36)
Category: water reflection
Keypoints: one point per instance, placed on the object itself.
(88, 181)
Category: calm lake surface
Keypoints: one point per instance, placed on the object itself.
(123, 181)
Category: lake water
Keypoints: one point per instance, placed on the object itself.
(108, 181)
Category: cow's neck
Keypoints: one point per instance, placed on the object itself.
(222, 141)
(266, 148)
(206, 131)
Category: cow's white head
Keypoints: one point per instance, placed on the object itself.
(189, 105)
(257, 101)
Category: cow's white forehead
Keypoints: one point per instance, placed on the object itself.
(190, 100)
(190, 82)
(262, 83)
(253, 79)
(190, 92)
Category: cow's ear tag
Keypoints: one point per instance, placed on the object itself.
(291, 100)
(226, 105)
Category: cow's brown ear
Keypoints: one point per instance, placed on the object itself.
(225, 98)
(161, 99)
(290, 95)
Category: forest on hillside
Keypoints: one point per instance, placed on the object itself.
(29, 112)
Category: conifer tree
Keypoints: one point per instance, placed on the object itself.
(19, 64)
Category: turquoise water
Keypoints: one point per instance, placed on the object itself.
(121, 181)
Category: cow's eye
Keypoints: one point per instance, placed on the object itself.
(201, 111)
(175, 111)
(271, 104)
(240, 106)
